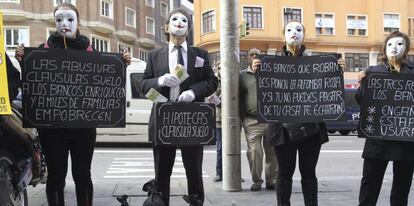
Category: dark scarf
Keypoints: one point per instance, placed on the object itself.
(56, 41)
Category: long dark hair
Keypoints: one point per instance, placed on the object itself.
(71, 7)
(384, 57)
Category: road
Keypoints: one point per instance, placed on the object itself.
(117, 171)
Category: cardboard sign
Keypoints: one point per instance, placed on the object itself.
(387, 107)
(4, 87)
(73, 89)
(300, 89)
(180, 124)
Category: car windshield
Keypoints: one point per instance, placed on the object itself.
(350, 100)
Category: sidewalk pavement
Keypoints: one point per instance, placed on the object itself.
(331, 193)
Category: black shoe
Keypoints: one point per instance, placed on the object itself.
(192, 200)
(270, 186)
(217, 178)
(255, 187)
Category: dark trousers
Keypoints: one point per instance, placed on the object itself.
(192, 156)
(373, 175)
(219, 163)
(57, 144)
(308, 150)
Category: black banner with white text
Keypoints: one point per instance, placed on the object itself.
(300, 89)
(73, 89)
(179, 124)
(387, 107)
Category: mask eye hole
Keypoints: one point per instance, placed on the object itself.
(400, 44)
(289, 30)
(185, 20)
(70, 19)
(299, 30)
(174, 19)
(58, 20)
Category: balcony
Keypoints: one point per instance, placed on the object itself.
(15, 15)
(146, 42)
(99, 26)
(126, 35)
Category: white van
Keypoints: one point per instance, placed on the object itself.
(138, 109)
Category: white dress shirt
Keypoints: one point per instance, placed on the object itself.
(172, 63)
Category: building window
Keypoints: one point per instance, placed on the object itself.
(130, 17)
(150, 3)
(325, 24)
(411, 27)
(163, 35)
(149, 25)
(253, 15)
(106, 8)
(100, 44)
(143, 55)
(164, 9)
(291, 14)
(213, 57)
(57, 2)
(123, 47)
(356, 62)
(209, 21)
(356, 25)
(391, 23)
(15, 36)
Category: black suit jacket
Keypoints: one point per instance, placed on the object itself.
(386, 149)
(202, 80)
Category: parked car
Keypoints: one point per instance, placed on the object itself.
(352, 115)
(138, 109)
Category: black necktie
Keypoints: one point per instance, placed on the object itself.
(180, 59)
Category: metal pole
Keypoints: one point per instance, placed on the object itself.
(229, 56)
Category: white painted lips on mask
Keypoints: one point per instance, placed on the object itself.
(66, 23)
(395, 48)
(178, 24)
(294, 33)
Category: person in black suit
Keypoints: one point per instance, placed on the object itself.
(201, 83)
(377, 153)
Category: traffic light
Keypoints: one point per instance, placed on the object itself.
(244, 29)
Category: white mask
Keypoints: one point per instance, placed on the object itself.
(178, 24)
(395, 48)
(294, 34)
(66, 23)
